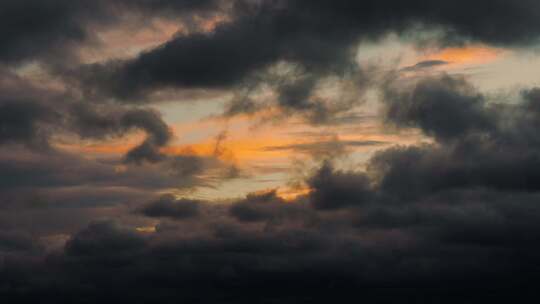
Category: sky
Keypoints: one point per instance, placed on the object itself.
(269, 151)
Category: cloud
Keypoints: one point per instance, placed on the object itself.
(14, 242)
(427, 64)
(324, 148)
(168, 206)
(315, 35)
(444, 107)
(479, 144)
(102, 122)
(266, 207)
(104, 238)
(47, 190)
(334, 190)
(31, 115)
(58, 29)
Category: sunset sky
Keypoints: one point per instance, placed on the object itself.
(269, 151)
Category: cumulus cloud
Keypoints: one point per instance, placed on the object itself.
(443, 107)
(168, 206)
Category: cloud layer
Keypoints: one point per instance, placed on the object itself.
(451, 219)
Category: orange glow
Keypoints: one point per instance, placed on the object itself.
(108, 147)
(290, 194)
(210, 24)
(245, 149)
(242, 144)
(467, 55)
(264, 154)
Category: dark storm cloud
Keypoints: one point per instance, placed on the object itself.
(32, 123)
(435, 249)
(13, 242)
(31, 115)
(31, 29)
(479, 144)
(446, 108)
(309, 28)
(104, 238)
(169, 206)
(57, 193)
(56, 169)
(318, 35)
(19, 122)
(93, 122)
(46, 190)
(26, 111)
(449, 243)
(333, 190)
(459, 212)
(459, 215)
(177, 6)
(265, 207)
(51, 30)
(36, 174)
(156, 128)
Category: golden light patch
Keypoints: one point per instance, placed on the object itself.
(238, 149)
(290, 194)
(146, 229)
(467, 55)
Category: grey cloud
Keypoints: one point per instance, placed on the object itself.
(15, 242)
(265, 207)
(108, 121)
(326, 147)
(425, 65)
(31, 115)
(58, 28)
(333, 190)
(318, 36)
(479, 144)
(458, 216)
(444, 107)
(169, 206)
(105, 237)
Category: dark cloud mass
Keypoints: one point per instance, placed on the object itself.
(453, 219)
(318, 35)
(51, 30)
(168, 206)
(479, 144)
(445, 108)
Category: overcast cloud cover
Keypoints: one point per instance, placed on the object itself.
(454, 218)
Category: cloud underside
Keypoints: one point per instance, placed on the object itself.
(419, 216)
(458, 214)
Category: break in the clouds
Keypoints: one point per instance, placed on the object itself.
(381, 182)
